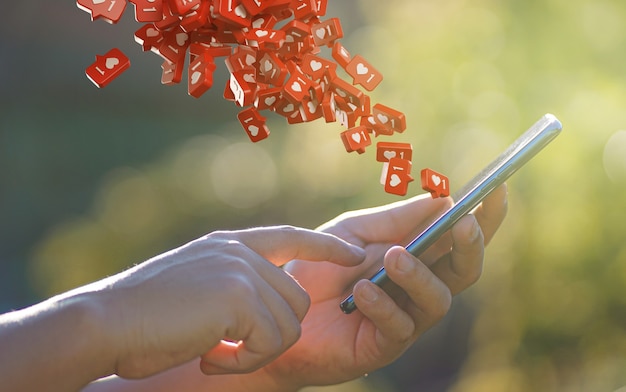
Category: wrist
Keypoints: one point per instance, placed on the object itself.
(60, 339)
(97, 316)
(93, 342)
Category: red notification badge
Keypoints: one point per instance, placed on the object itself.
(388, 120)
(107, 67)
(327, 32)
(109, 10)
(148, 10)
(172, 73)
(437, 184)
(387, 150)
(181, 7)
(398, 176)
(200, 75)
(356, 139)
(254, 124)
(363, 73)
(149, 37)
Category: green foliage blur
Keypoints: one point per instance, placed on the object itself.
(147, 168)
(550, 306)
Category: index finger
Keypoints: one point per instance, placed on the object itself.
(280, 244)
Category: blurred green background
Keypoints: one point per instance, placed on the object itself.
(92, 181)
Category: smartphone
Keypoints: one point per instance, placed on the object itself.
(471, 194)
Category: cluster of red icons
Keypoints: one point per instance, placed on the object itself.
(272, 68)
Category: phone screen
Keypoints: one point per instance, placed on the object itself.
(471, 194)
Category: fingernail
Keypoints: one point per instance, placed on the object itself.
(404, 263)
(369, 293)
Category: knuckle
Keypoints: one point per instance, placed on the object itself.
(219, 236)
(236, 250)
(474, 275)
(301, 302)
(466, 277)
(288, 230)
(275, 344)
(238, 282)
(292, 334)
(225, 242)
(406, 336)
(387, 314)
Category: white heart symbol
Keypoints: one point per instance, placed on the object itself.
(436, 179)
(321, 33)
(96, 2)
(195, 77)
(389, 154)
(261, 33)
(267, 66)
(240, 11)
(111, 62)
(394, 180)
(288, 108)
(269, 100)
(253, 129)
(258, 23)
(371, 120)
(181, 38)
(382, 118)
(289, 38)
(152, 32)
(249, 78)
(356, 137)
(311, 107)
(316, 65)
(250, 59)
(361, 69)
(295, 86)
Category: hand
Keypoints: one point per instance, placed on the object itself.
(335, 347)
(180, 305)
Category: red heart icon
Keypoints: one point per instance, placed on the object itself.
(109, 10)
(398, 176)
(436, 183)
(107, 67)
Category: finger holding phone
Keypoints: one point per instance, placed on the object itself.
(390, 317)
(335, 347)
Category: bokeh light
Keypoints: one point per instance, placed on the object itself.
(243, 175)
(615, 157)
(109, 188)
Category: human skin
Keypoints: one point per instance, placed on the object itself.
(335, 347)
(169, 310)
